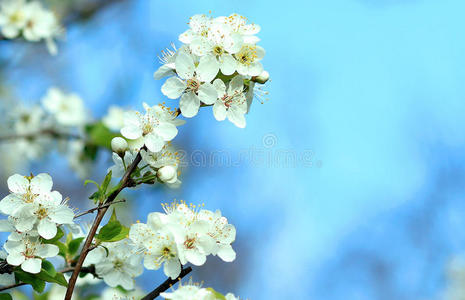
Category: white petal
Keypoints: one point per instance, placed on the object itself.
(15, 258)
(18, 184)
(10, 203)
(236, 117)
(208, 93)
(47, 229)
(255, 69)
(166, 130)
(228, 64)
(172, 268)
(189, 105)
(62, 215)
(226, 253)
(131, 132)
(236, 84)
(47, 250)
(32, 265)
(184, 65)
(208, 68)
(113, 279)
(163, 71)
(200, 46)
(219, 110)
(195, 257)
(220, 87)
(154, 142)
(173, 87)
(41, 183)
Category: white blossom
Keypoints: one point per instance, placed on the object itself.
(28, 253)
(114, 119)
(193, 84)
(119, 267)
(248, 59)
(154, 128)
(118, 169)
(68, 109)
(231, 102)
(12, 17)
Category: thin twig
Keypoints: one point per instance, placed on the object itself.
(166, 285)
(90, 270)
(97, 208)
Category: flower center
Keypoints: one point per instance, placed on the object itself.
(247, 55)
(189, 243)
(218, 50)
(41, 212)
(193, 85)
(118, 264)
(16, 17)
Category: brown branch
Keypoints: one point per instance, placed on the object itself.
(45, 132)
(97, 208)
(90, 270)
(166, 285)
(124, 182)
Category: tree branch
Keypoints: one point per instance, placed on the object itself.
(47, 132)
(166, 285)
(124, 182)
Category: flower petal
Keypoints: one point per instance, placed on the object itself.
(208, 93)
(208, 68)
(189, 105)
(184, 65)
(154, 142)
(47, 229)
(41, 183)
(18, 184)
(32, 265)
(219, 110)
(173, 87)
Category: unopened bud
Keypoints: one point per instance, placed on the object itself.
(262, 78)
(167, 174)
(119, 145)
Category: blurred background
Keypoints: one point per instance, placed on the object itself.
(346, 184)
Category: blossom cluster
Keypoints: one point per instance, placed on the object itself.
(31, 130)
(30, 20)
(150, 134)
(34, 212)
(214, 67)
(193, 291)
(182, 234)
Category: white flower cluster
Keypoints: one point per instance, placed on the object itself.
(117, 263)
(182, 235)
(33, 129)
(34, 213)
(193, 291)
(214, 67)
(30, 20)
(153, 130)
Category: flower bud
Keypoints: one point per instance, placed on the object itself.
(262, 78)
(119, 145)
(167, 174)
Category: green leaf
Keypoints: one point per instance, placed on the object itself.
(73, 246)
(49, 267)
(218, 296)
(5, 296)
(100, 135)
(37, 284)
(91, 181)
(106, 182)
(109, 231)
(113, 231)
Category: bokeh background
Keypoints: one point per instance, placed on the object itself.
(348, 183)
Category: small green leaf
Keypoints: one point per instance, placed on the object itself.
(37, 284)
(73, 246)
(5, 296)
(48, 266)
(91, 181)
(109, 231)
(106, 182)
(218, 296)
(121, 235)
(100, 135)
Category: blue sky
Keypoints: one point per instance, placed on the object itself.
(372, 91)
